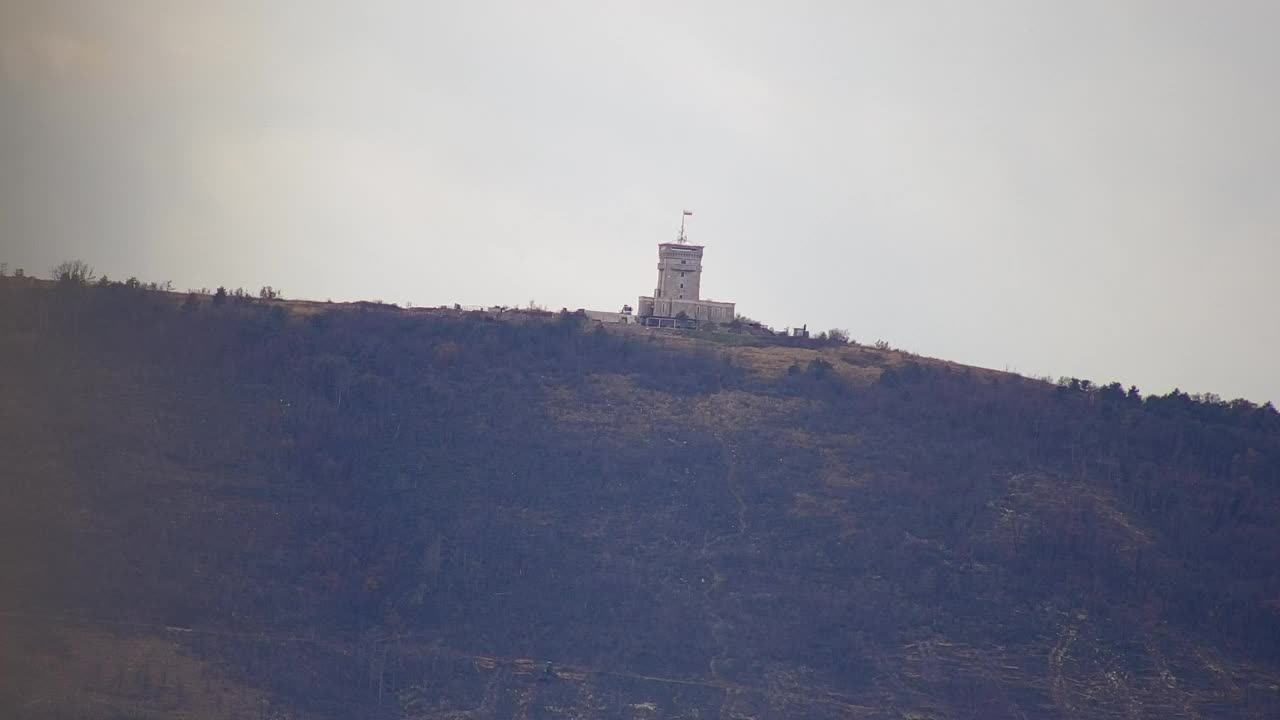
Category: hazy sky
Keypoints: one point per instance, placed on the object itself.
(1068, 188)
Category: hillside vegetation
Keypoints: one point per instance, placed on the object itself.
(261, 509)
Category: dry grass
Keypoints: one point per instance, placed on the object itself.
(613, 406)
(66, 669)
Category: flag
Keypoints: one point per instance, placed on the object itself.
(686, 212)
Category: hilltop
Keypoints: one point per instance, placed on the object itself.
(309, 510)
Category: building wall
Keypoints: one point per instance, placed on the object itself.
(700, 310)
(704, 310)
(607, 316)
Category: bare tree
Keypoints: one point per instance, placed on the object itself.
(73, 271)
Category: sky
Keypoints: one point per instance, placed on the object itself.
(1070, 188)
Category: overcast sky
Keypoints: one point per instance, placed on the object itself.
(1068, 188)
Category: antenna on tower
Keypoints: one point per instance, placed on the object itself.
(681, 238)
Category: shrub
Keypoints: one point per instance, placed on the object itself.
(819, 367)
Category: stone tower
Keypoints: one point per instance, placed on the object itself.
(679, 271)
(677, 301)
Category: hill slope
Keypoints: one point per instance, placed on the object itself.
(309, 512)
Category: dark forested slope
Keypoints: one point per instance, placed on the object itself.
(262, 509)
